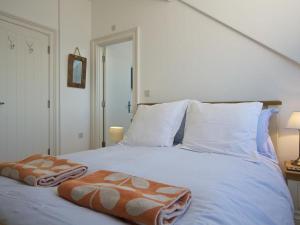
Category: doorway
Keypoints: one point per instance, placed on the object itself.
(114, 84)
(117, 88)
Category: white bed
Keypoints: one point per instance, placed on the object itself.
(226, 189)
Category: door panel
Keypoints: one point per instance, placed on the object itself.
(24, 86)
(8, 78)
(118, 65)
(33, 97)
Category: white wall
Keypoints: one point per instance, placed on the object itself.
(44, 12)
(187, 55)
(274, 23)
(75, 29)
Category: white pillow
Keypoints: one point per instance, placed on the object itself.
(156, 125)
(223, 128)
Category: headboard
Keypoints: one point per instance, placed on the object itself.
(273, 128)
(266, 104)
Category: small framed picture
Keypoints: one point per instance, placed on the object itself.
(76, 71)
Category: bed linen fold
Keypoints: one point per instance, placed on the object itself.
(42, 170)
(132, 198)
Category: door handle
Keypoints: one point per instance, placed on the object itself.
(2, 103)
(129, 107)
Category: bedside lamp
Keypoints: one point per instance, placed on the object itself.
(116, 134)
(294, 123)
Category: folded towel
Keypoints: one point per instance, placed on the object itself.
(42, 170)
(132, 198)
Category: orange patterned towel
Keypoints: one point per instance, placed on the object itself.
(132, 198)
(42, 170)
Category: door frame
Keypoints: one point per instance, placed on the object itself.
(97, 45)
(54, 118)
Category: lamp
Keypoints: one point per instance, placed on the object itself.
(294, 123)
(116, 133)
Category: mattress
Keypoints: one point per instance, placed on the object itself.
(226, 189)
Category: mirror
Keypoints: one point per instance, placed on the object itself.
(76, 71)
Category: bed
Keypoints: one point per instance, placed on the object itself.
(226, 189)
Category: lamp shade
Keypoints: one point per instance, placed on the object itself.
(294, 121)
(116, 133)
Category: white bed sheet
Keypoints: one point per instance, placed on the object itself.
(226, 189)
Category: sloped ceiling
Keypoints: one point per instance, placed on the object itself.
(274, 24)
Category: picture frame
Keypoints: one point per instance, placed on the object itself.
(76, 71)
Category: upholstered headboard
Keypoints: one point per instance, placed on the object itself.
(273, 128)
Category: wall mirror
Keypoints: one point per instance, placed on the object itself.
(76, 71)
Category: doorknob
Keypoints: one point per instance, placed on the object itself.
(2, 103)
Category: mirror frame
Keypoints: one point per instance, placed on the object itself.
(71, 60)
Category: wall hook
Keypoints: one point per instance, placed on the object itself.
(30, 48)
(11, 43)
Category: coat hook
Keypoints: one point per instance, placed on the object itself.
(30, 48)
(11, 43)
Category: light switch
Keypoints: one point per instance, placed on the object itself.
(80, 135)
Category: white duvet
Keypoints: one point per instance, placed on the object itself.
(226, 190)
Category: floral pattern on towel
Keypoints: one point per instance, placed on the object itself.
(42, 170)
(132, 198)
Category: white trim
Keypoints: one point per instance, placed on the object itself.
(96, 78)
(54, 125)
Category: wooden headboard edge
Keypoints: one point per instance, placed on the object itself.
(266, 103)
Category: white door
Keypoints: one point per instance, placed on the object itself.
(24, 92)
(118, 87)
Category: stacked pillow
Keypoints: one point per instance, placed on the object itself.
(264, 143)
(240, 129)
(222, 128)
(156, 125)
